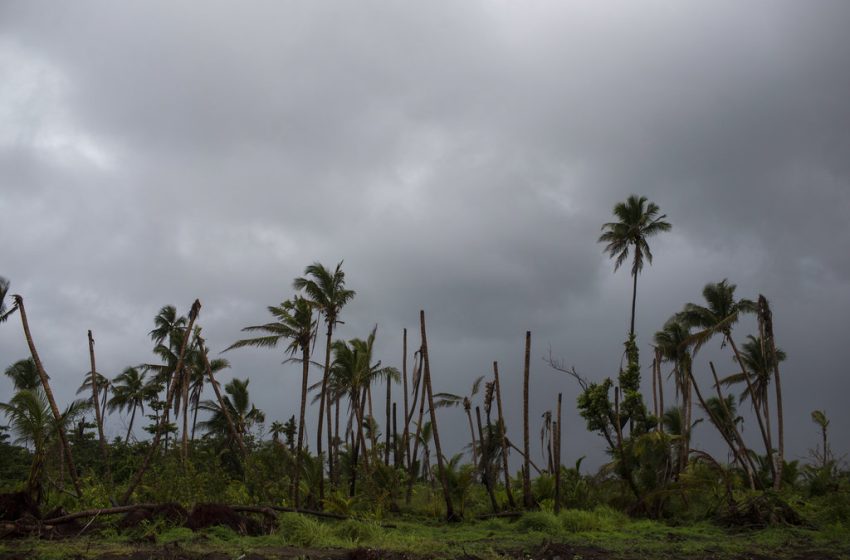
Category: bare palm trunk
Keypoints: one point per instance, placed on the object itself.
(193, 314)
(486, 471)
(72, 470)
(472, 432)
(412, 475)
(634, 299)
(104, 451)
(184, 436)
(231, 425)
(528, 499)
(406, 433)
(335, 451)
(322, 398)
(558, 458)
(766, 319)
(130, 428)
(387, 424)
(503, 442)
(396, 448)
(451, 516)
(660, 386)
(305, 371)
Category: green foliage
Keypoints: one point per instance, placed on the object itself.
(541, 521)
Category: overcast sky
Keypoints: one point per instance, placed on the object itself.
(459, 156)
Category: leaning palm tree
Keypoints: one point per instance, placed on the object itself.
(449, 399)
(129, 392)
(293, 322)
(637, 219)
(327, 293)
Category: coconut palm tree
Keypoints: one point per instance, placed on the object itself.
(293, 322)
(243, 412)
(327, 292)
(637, 220)
(24, 375)
(31, 420)
(672, 343)
(442, 400)
(129, 392)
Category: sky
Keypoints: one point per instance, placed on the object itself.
(459, 157)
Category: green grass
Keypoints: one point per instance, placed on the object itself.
(601, 527)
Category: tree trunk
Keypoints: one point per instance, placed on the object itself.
(766, 319)
(502, 437)
(660, 386)
(322, 399)
(749, 467)
(193, 314)
(387, 425)
(72, 470)
(234, 433)
(472, 432)
(412, 475)
(305, 372)
(486, 471)
(528, 499)
(451, 516)
(396, 449)
(104, 450)
(634, 298)
(184, 436)
(406, 433)
(558, 459)
(130, 428)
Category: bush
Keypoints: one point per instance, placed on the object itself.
(300, 530)
(541, 521)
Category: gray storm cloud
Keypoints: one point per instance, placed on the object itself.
(461, 158)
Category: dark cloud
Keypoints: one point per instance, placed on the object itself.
(460, 158)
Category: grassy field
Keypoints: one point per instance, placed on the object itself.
(572, 535)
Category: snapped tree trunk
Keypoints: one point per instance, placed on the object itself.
(528, 499)
(451, 516)
(411, 468)
(72, 470)
(104, 450)
(485, 466)
(406, 433)
(502, 438)
(557, 431)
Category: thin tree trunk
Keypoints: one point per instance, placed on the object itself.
(305, 372)
(766, 319)
(389, 410)
(335, 478)
(451, 516)
(655, 393)
(319, 433)
(193, 314)
(472, 431)
(104, 450)
(558, 458)
(660, 386)
(634, 298)
(72, 470)
(411, 475)
(130, 428)
(231, 425)
(396, 448)
(486, 471)
(528, 499)
(749, 467)
(406, 434)
(502, 437)
(185, 392)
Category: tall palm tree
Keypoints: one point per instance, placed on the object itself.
(293, 322)
(24, 375)
(129, 392)
(327, 292)
(637, 220)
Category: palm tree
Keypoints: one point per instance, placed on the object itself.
(326, 291)
(637, 220)
(672, 344)
(31, 420)
(129, 392)
(294, 322)
(243, 412)
(24, 375)
(448, 399)
(103, 384)
(760, 363)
